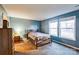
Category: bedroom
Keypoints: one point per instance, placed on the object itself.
(42, 29)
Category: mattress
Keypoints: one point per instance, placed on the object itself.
(38, 35)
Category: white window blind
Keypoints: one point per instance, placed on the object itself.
(67, 28)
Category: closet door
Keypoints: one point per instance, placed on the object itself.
(1, 42)
(10, 41)
(6, 41)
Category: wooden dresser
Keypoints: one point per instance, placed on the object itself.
(6, 42)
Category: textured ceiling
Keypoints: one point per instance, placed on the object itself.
(38, 11)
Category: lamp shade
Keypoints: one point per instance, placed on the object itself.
(5, 18)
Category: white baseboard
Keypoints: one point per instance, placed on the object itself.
(67, 45)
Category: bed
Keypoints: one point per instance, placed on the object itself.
(39, 39)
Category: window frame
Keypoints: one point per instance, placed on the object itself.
(53, 21)
(74, 29)
(58, 26)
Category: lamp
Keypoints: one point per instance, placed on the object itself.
(17, 31)
(5, 22)
(5, 18)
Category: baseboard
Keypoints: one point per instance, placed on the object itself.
(70, 46)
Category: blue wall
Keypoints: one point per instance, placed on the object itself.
(23, 25)
(45, 28)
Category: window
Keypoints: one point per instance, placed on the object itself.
(53, 28)
(67, 28)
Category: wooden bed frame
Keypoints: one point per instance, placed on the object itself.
(34, 42)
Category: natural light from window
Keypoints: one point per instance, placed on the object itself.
(53, 28)
(67, 29)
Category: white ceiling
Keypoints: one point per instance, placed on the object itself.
(38, 11)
